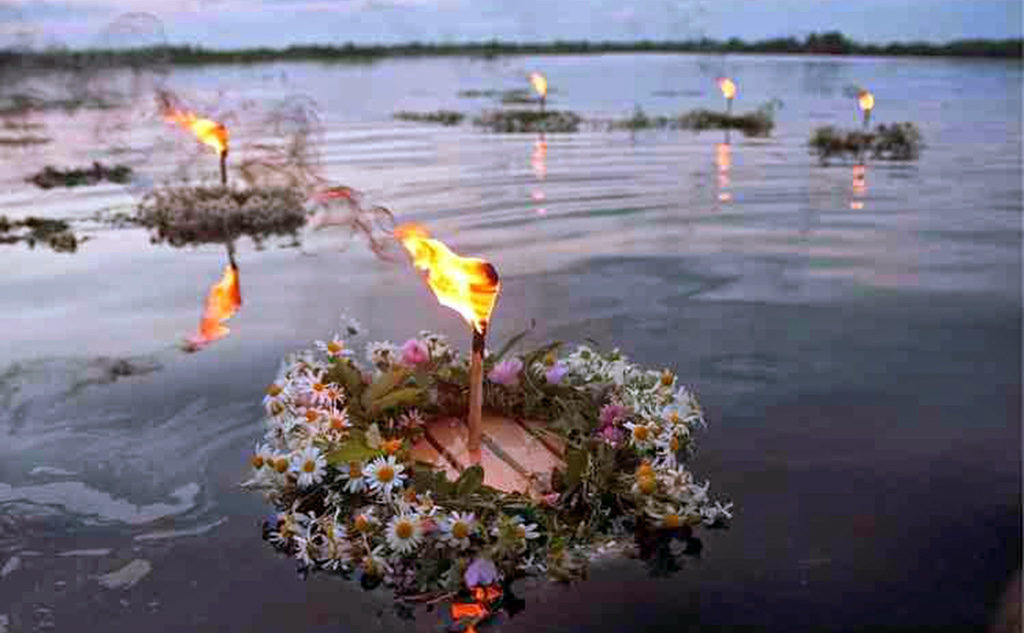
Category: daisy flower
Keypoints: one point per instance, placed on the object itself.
(668, 517)
(261, 457)
(381, 354)
(523, 530)
(640, 435)
(384, 474)
(354, 477)
(275, 400)
(334, 347)
(364, 520)
(310, 466)
(457, 528)
(404, 533)
(410, 419)
(336, 419)
(312, 388)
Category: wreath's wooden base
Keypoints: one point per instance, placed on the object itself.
(516, 455)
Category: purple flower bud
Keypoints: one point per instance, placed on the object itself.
(555, 373)
(480, 573)
(506, 372)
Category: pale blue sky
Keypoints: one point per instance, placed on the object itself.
(234, 23)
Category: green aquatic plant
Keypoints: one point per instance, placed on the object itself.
(529, 121)
(197, 215)
(896, 141)
(33, 230)
(757, 123)
(50, 177)
(444, 117)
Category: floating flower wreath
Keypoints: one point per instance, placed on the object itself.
(337, 463)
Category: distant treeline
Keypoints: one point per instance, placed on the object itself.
(831, 43)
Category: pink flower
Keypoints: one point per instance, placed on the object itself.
(550, 499)
(506, 372)
(480, 573)
(612, 436)
(612, 413)
(555, 373)
(414, 352)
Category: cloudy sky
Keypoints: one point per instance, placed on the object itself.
(234, 23)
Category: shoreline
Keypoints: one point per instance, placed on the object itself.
(832, 45)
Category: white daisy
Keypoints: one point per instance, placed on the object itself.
(336, 420)
(354, 477)
(381, 354)
(410, 419)
(310, 466)
(404, 533)
(640, 435)
(457, 528)
(364, 520)
(384, 475)
(262, 458)
(275, 401)
(311, 388)
(523, 530)
(334, 347)
(668, 517)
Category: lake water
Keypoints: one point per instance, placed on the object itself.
(856, 343)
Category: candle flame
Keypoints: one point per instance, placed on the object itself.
(539, 83)
(222, 302)
(467, 285)
(208, 132)
(728, 87)
(866, 100)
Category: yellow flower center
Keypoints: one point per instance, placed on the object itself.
(280, 464)
(403, 530)
(334, 348)
(520, 531)
(640, 433)
(549, 359)
(318, 387)
(674, 417)
(362, 523)
(274, 390)
(311, 416)
(666, 378)
(674, 444)
(460, 530)
(385, 474)
(644, 470)
(671, 521)
(337, 422)
(355, 470)
(256, 461)
(309, 466)
(647, 485)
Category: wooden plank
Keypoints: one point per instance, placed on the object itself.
(551, 441)
(423, 451)
(451, 436)
(525, 452)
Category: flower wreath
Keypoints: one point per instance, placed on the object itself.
(336, 462)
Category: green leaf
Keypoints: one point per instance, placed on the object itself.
(470, 481)
(354, 450)
(575, 464)
(512, 342)
(402, 397)
(383, 386)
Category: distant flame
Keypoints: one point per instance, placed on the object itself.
(207, 131)
(866, 100)
(727, 87)
(540, 84)
(467, 285)
(222, 303)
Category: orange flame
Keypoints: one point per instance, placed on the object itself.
(866, 100)
(467, 285)
(539, 83)
(728, 87)
(477, 611)
(222, 302)
(208, 132)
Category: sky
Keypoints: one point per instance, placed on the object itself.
(276, 23)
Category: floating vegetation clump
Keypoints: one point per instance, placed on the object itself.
(444, 117)
(51, 177)
(23, 141)
(197, 215)
(55, 234)
(519, 121)
(19, 104)
(514, 96)
(757, 123)
(898, 141)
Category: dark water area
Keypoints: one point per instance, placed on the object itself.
(857, 350)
